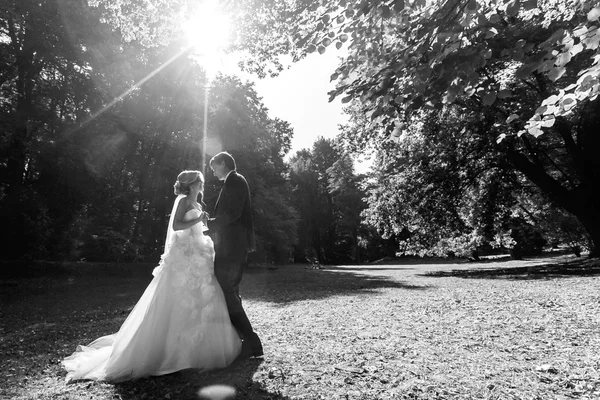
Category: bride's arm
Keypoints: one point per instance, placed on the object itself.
(178, 223)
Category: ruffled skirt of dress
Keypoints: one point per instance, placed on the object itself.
(181, 321)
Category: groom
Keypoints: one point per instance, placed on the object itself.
(232, 231)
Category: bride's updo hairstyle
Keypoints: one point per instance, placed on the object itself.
(185, 179)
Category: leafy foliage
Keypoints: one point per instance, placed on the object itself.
(51, 78)
(241, 125)
(450, 190)
(329, 201)
(520, 68)
(405, 55)
(93, 145)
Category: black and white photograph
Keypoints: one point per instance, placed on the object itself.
(300, 199)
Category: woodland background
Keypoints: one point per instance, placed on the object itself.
(482, 118)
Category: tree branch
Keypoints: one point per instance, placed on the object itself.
(538, 175)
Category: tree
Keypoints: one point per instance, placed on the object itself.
(310, 205)
(329, 203)
(100, 123)
(531, 69)
(240, 125)
(347, 198)
(455, 193)
(51, 76)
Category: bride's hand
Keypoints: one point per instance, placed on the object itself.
(204, 217)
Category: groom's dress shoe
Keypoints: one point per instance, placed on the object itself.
(249, 351)
(257, 352)
(257, 349)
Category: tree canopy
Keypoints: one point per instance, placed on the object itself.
(484, 107)
(329, 201)
(404, 55)
(525, 71)
(99, 123)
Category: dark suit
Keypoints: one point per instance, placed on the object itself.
(232, 231)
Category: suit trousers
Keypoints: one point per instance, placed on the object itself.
(229, 271)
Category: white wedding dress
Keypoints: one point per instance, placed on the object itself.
(181, 321)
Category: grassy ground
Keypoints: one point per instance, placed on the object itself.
(413, 330)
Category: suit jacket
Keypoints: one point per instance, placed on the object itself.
(231, 226)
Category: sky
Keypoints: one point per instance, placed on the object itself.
(299, 96)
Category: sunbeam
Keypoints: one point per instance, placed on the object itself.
(131, 89)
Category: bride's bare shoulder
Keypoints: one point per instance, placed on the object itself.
(184, 205)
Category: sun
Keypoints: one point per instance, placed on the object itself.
(208, 33)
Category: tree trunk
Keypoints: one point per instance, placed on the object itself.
(17, 156)
(357, 257)
(13, 207)
(584, 206)
(581, 201)
(593, 230)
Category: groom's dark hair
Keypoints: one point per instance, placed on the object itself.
(224, 157)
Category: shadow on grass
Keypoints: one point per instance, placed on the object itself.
(403, 262)
(42, 319)
(295, 283)
(70, 300)
(186, 384)
(46, 298)
(361, 268)
(413, 260)
(585, 267)
(66, 299)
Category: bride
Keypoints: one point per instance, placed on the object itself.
(181, 320)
